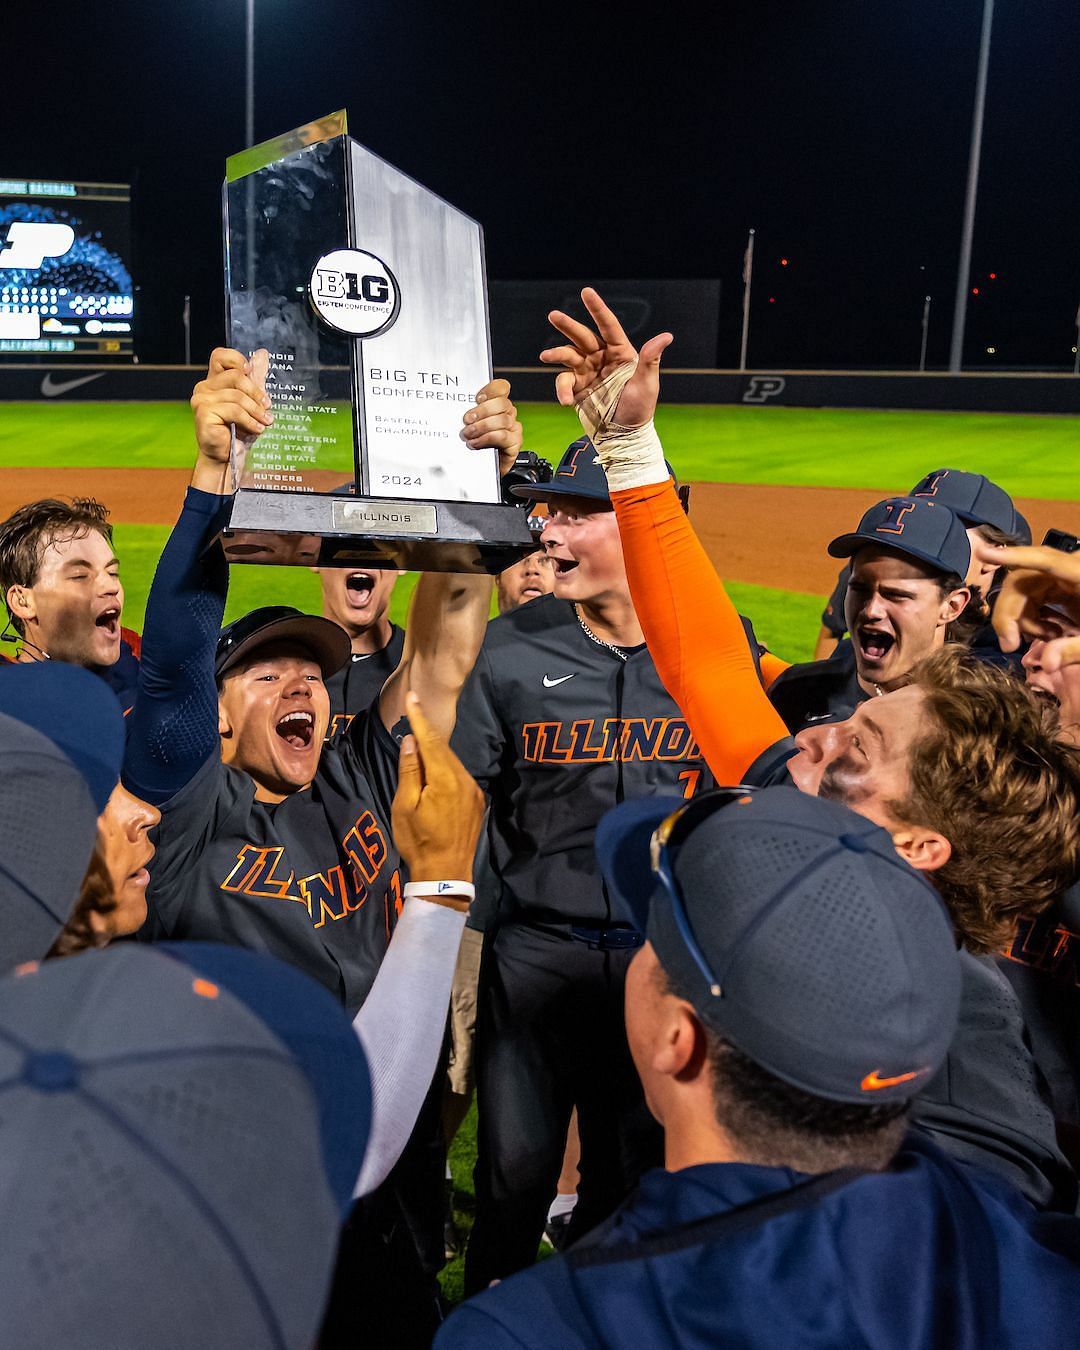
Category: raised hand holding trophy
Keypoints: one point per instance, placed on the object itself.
(370, 294)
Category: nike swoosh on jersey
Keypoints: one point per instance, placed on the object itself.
(549, 683)
(51, 388)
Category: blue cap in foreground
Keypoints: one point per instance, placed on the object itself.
(48, 827)
(163, 1149)
(76, 710)
(813, 947)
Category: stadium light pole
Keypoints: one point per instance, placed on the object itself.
(748, 277)
(249, 85)
(1076, 349)
(925, 333)
(963, 271)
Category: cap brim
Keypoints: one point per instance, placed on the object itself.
(540, 492)
(311, 1024)
(623, 840)
(328, 643)
(847, 545)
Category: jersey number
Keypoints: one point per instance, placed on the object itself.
(691, 777)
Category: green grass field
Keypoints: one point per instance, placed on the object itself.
(1030, 456)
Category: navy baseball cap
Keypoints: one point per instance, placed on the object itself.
(578, 475)
(61, 749)
(162, 1152)
(327, 642)
(309, 1021)
(971, 496)
(913, 526)
(48, 825)
(799, 935)
(76, 710)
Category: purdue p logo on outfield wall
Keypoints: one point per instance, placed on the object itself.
(759, 388)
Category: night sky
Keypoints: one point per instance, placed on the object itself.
(590, 142)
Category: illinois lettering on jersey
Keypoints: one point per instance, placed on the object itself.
(603, 741)
(314, 880)
(557, 728)
(330, 896)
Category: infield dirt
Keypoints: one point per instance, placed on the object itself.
(762, 534)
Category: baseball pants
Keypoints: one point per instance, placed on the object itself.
(550, 1035)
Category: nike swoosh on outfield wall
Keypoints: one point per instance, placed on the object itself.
(51, 388)
(549, 683)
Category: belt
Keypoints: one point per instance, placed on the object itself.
(607, 939)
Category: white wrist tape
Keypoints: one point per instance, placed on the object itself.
(629, 456)
(596, 406)
(422, 890)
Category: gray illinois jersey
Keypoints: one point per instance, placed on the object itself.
(557, 728)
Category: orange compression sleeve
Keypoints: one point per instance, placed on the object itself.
(772, 666)
(694, 632)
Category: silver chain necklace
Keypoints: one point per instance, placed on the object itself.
(607, 646)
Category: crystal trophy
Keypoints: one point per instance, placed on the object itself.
(370, 294)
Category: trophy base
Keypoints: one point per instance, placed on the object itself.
(315, 530)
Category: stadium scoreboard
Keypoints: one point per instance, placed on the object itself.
(65, 278)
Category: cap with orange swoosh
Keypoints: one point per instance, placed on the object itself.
(874, 1081)
(796, 931)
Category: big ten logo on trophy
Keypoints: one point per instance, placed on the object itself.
(354, 292)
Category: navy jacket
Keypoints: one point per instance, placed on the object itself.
(931, 1255)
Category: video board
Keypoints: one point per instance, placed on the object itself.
(65, 276)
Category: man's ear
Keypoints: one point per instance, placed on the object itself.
(679, 1049)
(925, 850)
(224, 726)
(20, 602)
(954, 604)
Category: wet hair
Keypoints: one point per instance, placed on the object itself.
(774, 1124)
(990, 774)
(33, 528)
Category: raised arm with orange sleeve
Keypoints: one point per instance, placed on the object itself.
(772, 667)
(694, 632)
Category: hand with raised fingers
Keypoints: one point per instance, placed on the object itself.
(603, 375)
(1038, 578)
(438, 810)
(492, 424)
(233, 396)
